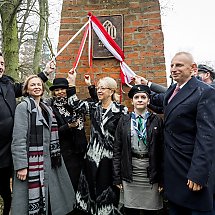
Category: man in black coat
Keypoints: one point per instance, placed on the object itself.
(189, 123)
(9, 91)
(207, 74)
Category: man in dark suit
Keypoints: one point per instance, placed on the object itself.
(189, 124)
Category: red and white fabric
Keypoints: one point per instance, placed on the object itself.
(111, 45)
(126, 72)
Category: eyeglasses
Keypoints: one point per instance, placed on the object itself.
(102, 88)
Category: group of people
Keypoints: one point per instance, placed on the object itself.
(131, 158)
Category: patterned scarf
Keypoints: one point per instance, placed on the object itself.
(67, 112)
(36, 189)
(60, 103)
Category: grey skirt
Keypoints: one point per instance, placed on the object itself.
(140, 194)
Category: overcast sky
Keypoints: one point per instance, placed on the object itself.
(189, 25)
(55, 8)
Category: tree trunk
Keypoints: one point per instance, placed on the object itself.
(8, 12)
(40, 37)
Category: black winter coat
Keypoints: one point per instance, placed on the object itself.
(122, 158)
(73, 140)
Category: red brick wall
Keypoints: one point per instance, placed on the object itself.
(143, 40)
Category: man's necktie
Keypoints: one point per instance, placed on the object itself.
(176, 90)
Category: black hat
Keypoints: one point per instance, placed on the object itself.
(59, 83)
(204, 68)
(139, 88)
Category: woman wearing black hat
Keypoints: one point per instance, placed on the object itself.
(72, 135)
(137, 157)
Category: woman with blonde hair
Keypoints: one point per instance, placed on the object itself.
(41, 183)
(96, 193)
(112, 85)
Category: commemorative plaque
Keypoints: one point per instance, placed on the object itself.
(114, 26)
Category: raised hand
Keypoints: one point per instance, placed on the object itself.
(87, 80)
(72, 77)
(50, 67)
(139, 80)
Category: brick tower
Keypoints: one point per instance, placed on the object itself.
(142, 41)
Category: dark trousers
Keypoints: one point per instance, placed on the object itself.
(74, 164)
(5, 192)
(179, 210)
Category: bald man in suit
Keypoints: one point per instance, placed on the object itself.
(189, 124)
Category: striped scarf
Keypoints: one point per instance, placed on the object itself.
(37, 203)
